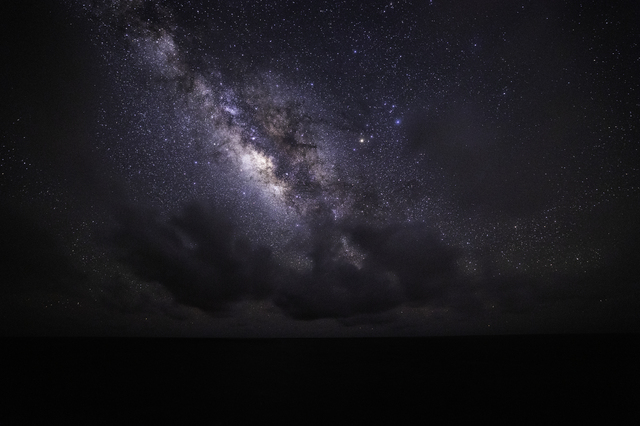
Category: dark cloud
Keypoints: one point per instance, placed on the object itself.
(401, 264)
(119, 295)
(337, 288)
(413, 252)
(202, 259)
(490, 296)
(198, 256)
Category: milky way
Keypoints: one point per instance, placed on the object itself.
(395, 164)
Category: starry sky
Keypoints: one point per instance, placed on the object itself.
(319, 168)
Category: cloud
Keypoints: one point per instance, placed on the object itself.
(400, 264)
(205, 262)
(119, 295)
(356, 274)
(198, 256)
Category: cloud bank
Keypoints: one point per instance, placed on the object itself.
(205, 262)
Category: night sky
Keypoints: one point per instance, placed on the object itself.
(316, 168)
